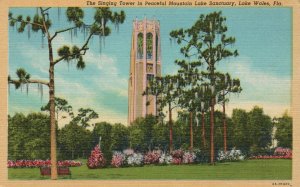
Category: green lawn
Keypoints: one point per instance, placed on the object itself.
(249, 169)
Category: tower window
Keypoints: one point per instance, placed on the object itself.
(140, 46)
(150, 77)
(149, 46)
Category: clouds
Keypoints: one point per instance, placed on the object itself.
(261, 87)
(259, 84)
(100, 87)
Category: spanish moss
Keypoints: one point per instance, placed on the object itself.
(28, 28)
(68, 64)
(71, 34)
(75, 32)
(100, 43)
(43, 40)
(41, 91)
(58, 13)
(27, 85)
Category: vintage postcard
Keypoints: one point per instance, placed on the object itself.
(149, 93)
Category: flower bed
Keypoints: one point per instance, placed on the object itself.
(129, 158)
(279, 153)
(270, 157)
(40, 163)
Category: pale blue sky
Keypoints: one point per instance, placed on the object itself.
(263, 39)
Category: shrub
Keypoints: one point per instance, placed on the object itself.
(165, 159)
(233, 155)
(279, 151)
(118, 159)
(177, 156)
(188, 157)
(96, 160)
(40, 163)
(136, 159)
(128, 152)
(152, 157)
(202, 156)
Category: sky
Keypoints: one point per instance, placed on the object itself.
(264, 65)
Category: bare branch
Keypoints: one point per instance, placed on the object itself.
(46, 9)
(44, 23)
(31, 81)
(60, 31)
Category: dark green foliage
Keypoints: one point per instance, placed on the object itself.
(141, 133)
(28, 136)
(104, 130)
(284, 132)
(84, 116)
(61, 105)
(241, 130)
(119, 137)
(75, 15)
(74, 141)
(64, 51)
(260, 126)
(252, 131)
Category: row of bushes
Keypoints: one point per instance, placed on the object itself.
(40, 163)
(129, 158)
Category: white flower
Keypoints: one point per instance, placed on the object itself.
(165, 159)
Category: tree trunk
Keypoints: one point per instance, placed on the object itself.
(212, 147)
(225, 128)
(171, 129)
(191, 131)
(203, 130)
(52, 122)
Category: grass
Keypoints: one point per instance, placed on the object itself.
(279, 169)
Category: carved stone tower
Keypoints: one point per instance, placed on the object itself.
(145, 63)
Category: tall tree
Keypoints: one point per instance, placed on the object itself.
(261, 127)
(225, 85)
(284, 130)
(187, 80)
(167, 90)
(241, 130)
(206, 40)
(41, 22)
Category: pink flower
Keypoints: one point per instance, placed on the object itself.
(152, 157)
(96, 160)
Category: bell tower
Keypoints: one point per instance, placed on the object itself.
(145, 64)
